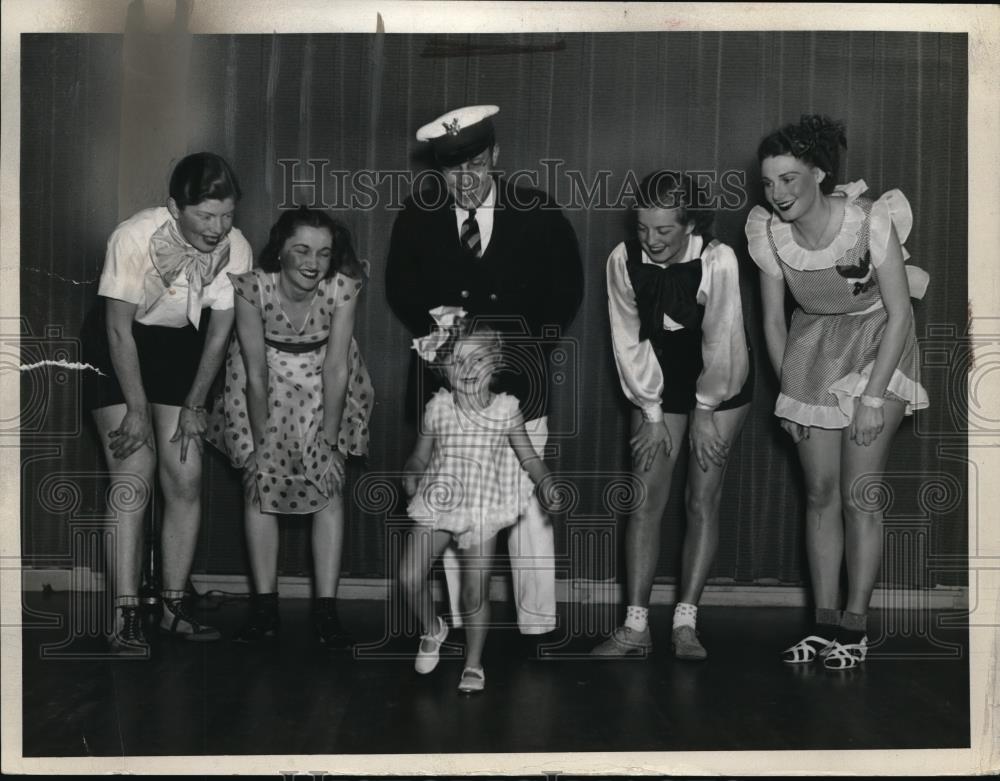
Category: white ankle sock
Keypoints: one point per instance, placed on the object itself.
(637, 618)
(685, 614)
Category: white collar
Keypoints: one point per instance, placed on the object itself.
(802, 259)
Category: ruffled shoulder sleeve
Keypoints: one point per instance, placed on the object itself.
(758, 243)
(247, 286)
(892, 210)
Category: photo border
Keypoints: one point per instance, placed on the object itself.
(982, 23)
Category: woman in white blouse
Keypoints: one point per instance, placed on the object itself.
(158, 339)
(683, 359)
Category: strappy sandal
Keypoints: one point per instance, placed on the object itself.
(178, 621)
(807, 649)
(845, 657)
(473, 680)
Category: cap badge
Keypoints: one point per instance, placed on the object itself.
(452, 128)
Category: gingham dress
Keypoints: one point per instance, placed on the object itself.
(837, 327)
(293, 461)
(474, 485)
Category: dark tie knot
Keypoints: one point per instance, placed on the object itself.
(470, 235)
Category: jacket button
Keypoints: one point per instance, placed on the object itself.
(464, 294)
(171, 291)
(493, 296)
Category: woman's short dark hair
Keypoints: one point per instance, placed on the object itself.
(667, 189)
(343, 260)
(203, 177)
(814, 139)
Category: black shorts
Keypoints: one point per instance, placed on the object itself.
(168, 360)
(679, 355)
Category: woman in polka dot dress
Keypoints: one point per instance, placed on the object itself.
(848, 361)
(296, 404)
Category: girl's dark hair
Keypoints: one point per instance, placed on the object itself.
(675, 190)
(203, 177)
(343, 260)
(815, 139)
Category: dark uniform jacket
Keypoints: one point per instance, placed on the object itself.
(528, 283)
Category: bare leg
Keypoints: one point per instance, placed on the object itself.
(181, 483)
(453, 583)
(702, 497)
(131, 476)
(476, 598)
(820, 456)
(261, 531)
(642, 535)
(860, 466)
(328, 546)
(421, 548)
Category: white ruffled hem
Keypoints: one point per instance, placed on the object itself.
(847, 390)
(809, 414)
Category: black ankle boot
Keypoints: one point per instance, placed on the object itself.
(130, 640)
(263, 623)
(329, 633)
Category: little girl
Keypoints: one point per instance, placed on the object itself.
(471, 474)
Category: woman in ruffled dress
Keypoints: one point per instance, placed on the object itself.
(848, 361)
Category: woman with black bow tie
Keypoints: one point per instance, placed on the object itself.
(158, 339)
(683, 359)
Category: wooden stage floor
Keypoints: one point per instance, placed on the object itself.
(224, 699)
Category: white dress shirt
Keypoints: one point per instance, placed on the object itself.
(129, 274)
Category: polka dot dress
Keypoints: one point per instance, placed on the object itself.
(293, 461)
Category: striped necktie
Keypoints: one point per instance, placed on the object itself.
(470, 235)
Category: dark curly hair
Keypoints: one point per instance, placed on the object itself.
(815, 139)
(344, 260)
(667, 189)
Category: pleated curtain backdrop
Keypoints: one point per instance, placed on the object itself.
(576, 109)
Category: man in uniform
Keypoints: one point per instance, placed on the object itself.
(508, 256)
